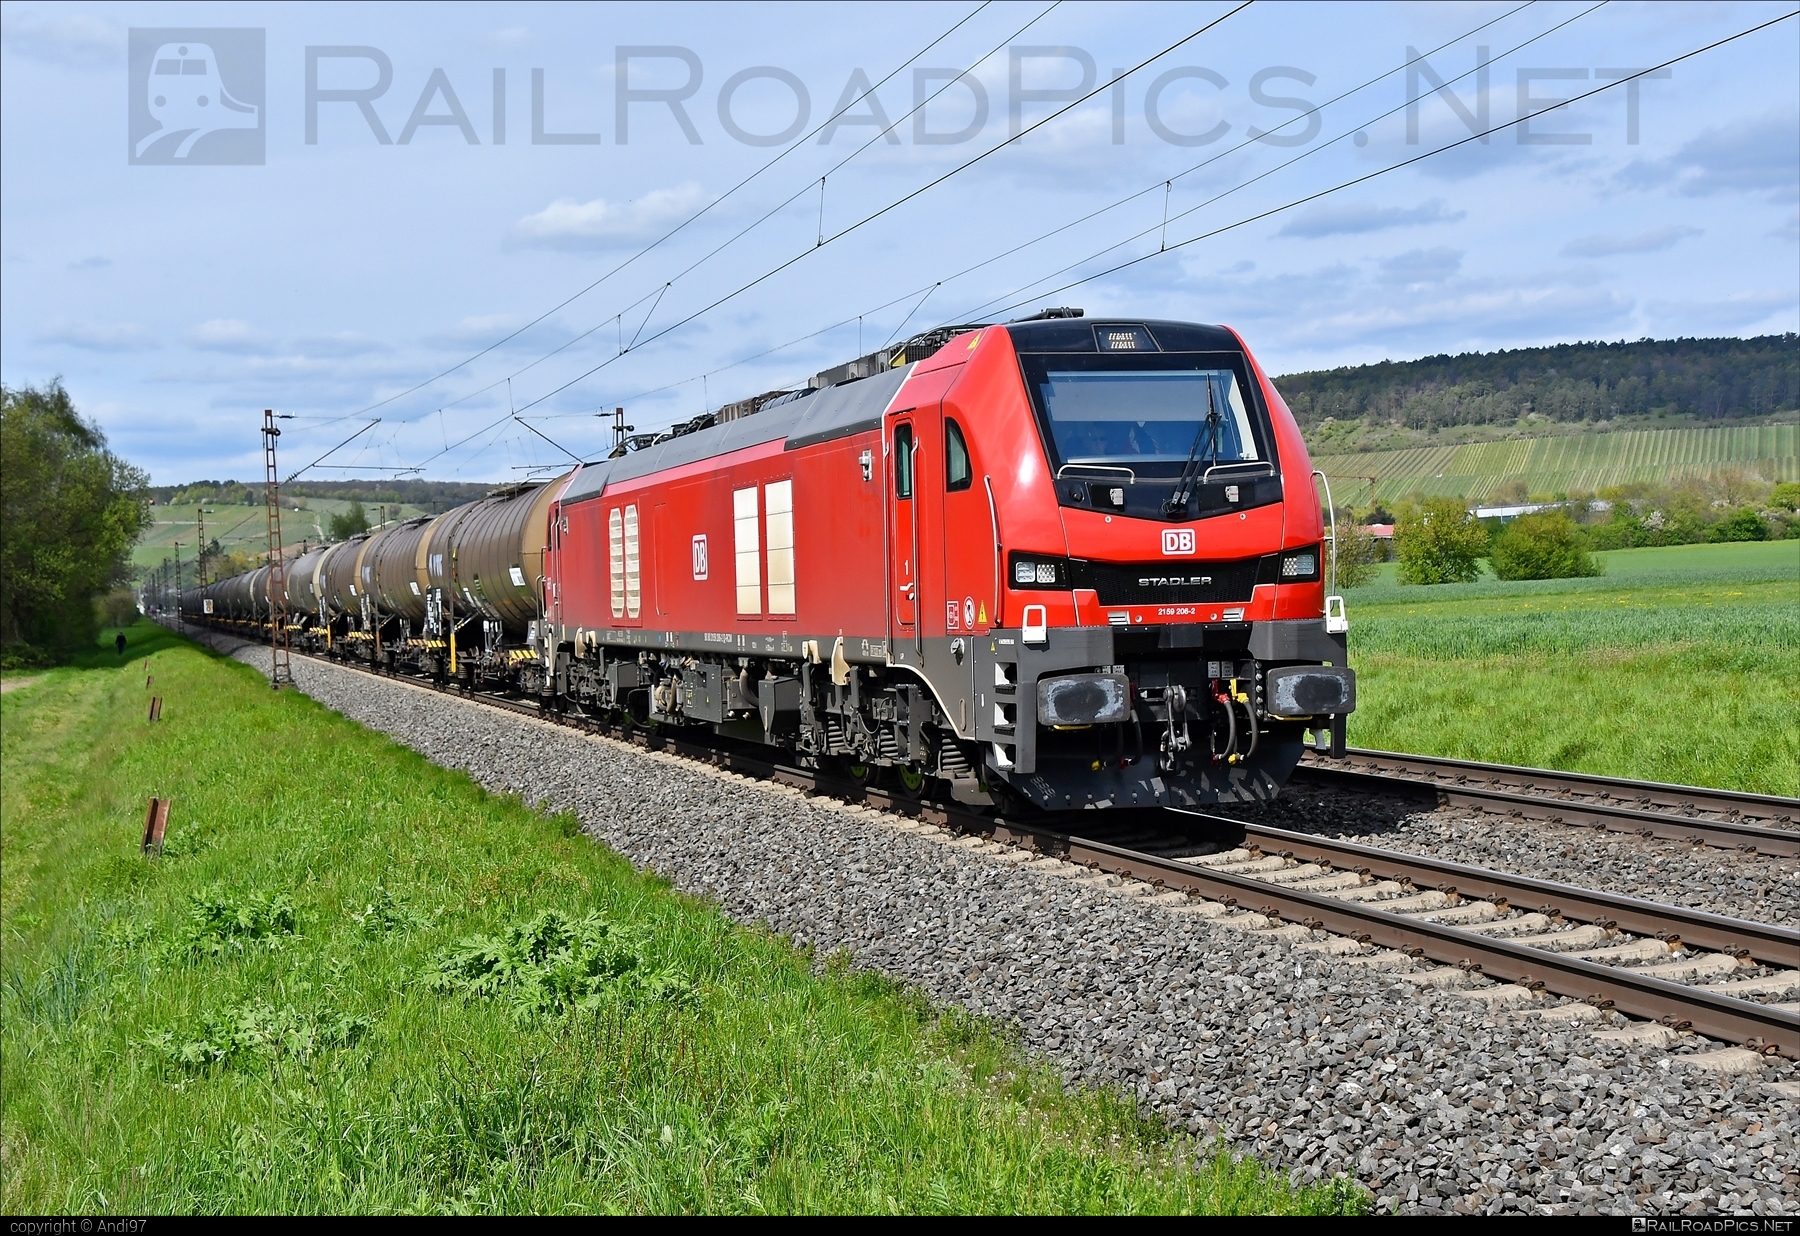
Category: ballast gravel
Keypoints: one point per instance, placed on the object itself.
(1434, 1102)
(1720, 881)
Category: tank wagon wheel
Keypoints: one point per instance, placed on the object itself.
(909, 781)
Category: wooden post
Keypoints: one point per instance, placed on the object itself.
(156, 822)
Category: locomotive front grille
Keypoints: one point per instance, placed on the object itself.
(1163, 583)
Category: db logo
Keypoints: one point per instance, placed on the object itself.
(1178, 540)
(700, 557)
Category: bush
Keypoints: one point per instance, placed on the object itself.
(1742, 524)
(1786, 495)
(1438, 542)
(1358, 556)
(1547, 545)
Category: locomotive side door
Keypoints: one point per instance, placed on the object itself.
(900, 457)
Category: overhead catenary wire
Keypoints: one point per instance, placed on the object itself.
(1306, 154)
(1166, 183)
(1364, 179)
(672, 232)
(898, 202)
(768, 214)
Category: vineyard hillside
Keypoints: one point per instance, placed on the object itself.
(1565, 464)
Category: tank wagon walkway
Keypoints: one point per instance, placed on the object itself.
(1434, 1101)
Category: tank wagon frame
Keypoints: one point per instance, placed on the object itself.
(1058, 562)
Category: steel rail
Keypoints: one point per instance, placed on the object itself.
(1765, 942)
(1509, 790)
(1709, 1013)
(1717, 1016)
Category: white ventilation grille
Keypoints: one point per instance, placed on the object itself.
(778, 505)
(615, 539)
(633, 594)
(746, 543)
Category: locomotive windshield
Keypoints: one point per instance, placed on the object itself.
(1145, 413)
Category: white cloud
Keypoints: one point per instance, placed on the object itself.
(1655, 240)
(1755, 156)
(343, 343)
(76, 41)
(1419, 266)
(90, 263)
(227, 335)
(1349, 219)
(99, 336)
(568, 224)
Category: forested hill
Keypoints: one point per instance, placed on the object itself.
(1706, 379)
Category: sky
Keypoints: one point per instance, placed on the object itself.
(336, 233)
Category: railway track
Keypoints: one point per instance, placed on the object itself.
(1672, 967)
(1755, 823)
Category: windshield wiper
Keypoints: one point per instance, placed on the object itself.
(1176, 506)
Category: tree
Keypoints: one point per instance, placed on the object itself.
(1546, 545)
(1743, 524)
(1438, 542)
(1786, 495)
(352, 521)
(70, 511)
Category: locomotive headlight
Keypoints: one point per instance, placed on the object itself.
(1039, 571)
(1299, 566)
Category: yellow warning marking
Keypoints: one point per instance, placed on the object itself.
(983, 616)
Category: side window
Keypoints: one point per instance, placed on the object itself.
(903, 461)
(615, 545)
(957, 474)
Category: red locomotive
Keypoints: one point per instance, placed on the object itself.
(1062, 562)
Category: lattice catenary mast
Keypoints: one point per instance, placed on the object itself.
(281, 669)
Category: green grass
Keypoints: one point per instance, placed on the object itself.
(1678, 664)
(1565, 463)
(244, 527)
(357, 982)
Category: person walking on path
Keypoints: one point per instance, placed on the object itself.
(119, 643)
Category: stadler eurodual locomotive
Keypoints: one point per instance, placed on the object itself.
(1057, 562)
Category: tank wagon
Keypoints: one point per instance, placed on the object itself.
(1058, 562)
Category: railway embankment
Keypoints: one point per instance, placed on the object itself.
(353, 981)
(1435, 1098)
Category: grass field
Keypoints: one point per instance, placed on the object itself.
(1678, 664)
(1568, 463)
(355, 981)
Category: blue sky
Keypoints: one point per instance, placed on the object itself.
(176, 300)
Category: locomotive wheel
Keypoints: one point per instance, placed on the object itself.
(909, 781)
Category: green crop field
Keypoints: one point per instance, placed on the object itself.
(245, 527)
(355, 981)
(1569, 463)
(1678, 664)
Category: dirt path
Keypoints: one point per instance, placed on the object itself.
(13, 684)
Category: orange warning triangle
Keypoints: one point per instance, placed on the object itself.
(983, 616)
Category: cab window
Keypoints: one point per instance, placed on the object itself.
(957, 474)
(903, 461)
